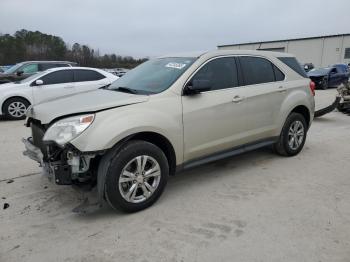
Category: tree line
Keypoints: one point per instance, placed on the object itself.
(26, 45)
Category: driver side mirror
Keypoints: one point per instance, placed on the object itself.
(19, 73)
(39, 82)
(197, 86)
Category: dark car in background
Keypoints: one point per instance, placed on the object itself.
(308, 67)
(332, 76)
(23, 70)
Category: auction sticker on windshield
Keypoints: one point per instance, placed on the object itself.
(175, 65)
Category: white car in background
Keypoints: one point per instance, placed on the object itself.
(16, 97)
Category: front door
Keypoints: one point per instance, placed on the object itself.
(55, 84)
(214, 120)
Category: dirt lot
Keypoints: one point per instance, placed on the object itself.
(254, 207)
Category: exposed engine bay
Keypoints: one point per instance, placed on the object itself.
(65, 165)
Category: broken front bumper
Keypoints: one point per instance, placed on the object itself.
(55, 171)
(32, 151)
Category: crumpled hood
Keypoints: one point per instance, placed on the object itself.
(323, 72)
(93, 101)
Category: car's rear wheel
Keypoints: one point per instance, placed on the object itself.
(293, 135)
(136, 176)
(15, 108)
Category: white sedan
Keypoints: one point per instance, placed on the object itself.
(15, 98)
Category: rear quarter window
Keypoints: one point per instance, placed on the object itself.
(279, 76)
(293, 64)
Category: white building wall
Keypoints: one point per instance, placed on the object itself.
(307, 51)
(332, 51)
(345, 44)
(321, 51)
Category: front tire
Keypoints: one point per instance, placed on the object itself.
(324, 85)
(293, 136)
(15, 108)
(136, 176)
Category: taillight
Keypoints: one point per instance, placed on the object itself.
(312, 87)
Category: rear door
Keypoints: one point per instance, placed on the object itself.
(86, 80)
(56, 84)
(264, 93)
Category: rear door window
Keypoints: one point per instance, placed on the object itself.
(257, 70)
(58, 77)
(87, 75)
(341, 69)
(221, 73)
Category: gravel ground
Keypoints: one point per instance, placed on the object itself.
(253, 207)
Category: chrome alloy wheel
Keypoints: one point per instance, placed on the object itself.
(139, 179)
(17, 109)
(296, 135)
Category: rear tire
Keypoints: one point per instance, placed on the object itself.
(136, 176)
(293, 136)
(15, 108)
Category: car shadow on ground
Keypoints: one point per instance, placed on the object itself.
(184, 181)
(5, 119)
(325, 119)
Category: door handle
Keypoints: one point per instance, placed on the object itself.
(281, 89)
(237, 99)
(68, 86)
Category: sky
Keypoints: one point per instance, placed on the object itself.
(148, 28)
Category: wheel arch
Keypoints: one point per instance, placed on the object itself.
(304, 111)
(160, 141)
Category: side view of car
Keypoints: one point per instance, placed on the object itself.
(168, 114)
(15, 98)
(332, 76)
(23, 70)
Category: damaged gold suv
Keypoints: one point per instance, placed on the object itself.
(168, 114)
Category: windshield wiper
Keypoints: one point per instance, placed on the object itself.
(105, 87)
(125, 90)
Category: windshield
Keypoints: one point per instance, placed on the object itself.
(153, 76)
(13, 69)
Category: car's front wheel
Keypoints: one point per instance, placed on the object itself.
(136, 176)
(15, 108)
(324, 84)
(293, 135)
